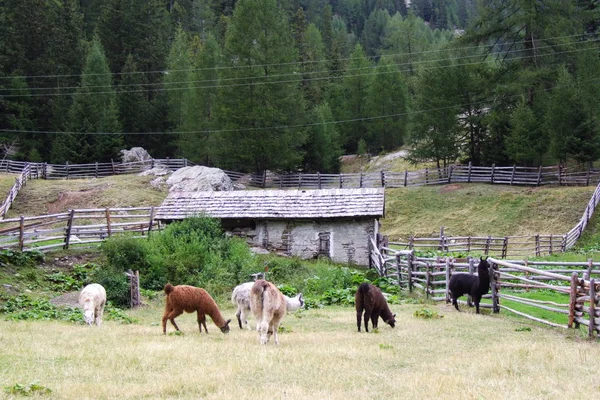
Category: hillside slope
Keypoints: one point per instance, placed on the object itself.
(462, 209)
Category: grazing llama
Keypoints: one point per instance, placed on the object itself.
(370, 299)
(189, 299)
(93, 299)
(269, 307)
(241, 298)
(476, 286)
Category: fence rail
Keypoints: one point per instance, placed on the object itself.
(577, 285)
(507, 246)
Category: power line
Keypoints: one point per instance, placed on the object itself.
(163, 71)
(419, 62)
(241, 130)
(277, 82)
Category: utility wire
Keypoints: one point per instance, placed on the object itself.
(279, 64)
(419, 62)
(274, 82)
(483, 102)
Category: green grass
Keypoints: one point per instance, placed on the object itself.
(481, 210)
(543, 295)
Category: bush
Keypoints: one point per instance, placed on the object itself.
(193, 252)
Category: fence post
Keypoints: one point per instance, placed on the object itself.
(341, 181)
(96, 169)
(447, 281)
(108, 227)
(587, 178)
(469, 173)
(68, 231)
(319, 179)
(299, 180)
(512, 176)
(151, 220)
(411, 242)
(67, 164)
(398, 270)
(592, 308)
(487, 245)
(112, 164)
(494, 287)
(409, 268)
(505, 247)
(361, 179)
(559, 175)
(471, 271)
(441, 242)
(21, 232)
(405, 177)
(573, 300)
(426, 176)
(45, 172)
(134, 288)
(588, 273)
(537, 245)
(539, 179)
(492, 177)
(427, 278)
(382, 178)
(264, 178)
(450, 174)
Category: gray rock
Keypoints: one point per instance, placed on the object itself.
(136, 154)
(199, 178)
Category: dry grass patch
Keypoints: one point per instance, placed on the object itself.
(53, 196)
(321, 355)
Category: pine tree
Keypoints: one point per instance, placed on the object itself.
(323, 146)
(262, 96)
(133, 104)
(387, 133)
(94, 110)
(199, 103)
(355, 88)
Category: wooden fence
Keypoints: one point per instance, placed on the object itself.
(577, 284)
(503, 247)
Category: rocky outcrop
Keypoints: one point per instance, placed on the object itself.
(199, 178)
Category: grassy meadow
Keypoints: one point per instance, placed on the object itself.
(462, 355)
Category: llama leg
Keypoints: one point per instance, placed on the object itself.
(99, 313)
(201, 322)
(367, 317)
(374, 319)
(275, 329)
(263, 329)
(358, 319)
(455, 302)
(245, 323)
(171, 316)
(238, 314)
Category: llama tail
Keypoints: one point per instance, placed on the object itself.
(363, 288)
(169, 288)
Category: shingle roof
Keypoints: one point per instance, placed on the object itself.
(275, 204)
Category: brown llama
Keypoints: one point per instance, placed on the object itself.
(370, 299)
(189, 299)
(269, 307)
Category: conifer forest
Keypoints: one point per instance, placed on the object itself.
(291, 85)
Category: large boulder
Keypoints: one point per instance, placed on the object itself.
(136, 154)
(199, 178)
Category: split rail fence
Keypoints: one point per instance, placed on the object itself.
(503, 247)
(575, 286)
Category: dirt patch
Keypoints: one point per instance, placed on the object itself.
(450, 188)
(73, 200)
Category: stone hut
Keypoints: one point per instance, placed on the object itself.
(334, 223)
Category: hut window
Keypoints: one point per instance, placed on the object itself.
(324, 243)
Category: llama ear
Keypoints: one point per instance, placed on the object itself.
(394, 315)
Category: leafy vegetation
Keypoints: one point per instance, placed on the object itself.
(34, 388)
